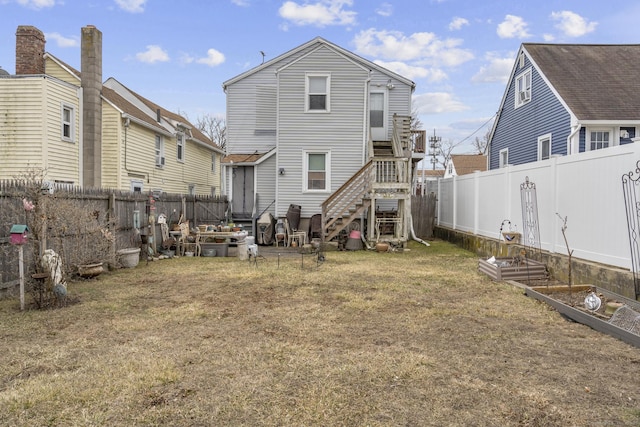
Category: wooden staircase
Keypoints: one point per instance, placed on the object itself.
(386, 175)
(348, 202)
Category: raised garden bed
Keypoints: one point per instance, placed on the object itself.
(571, 304)
(508, 269)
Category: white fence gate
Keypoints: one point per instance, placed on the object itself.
(586, 188)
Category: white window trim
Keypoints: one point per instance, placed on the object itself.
(541, 139)
(523, 97)
(587, 137)
(504, 153)
(159, 154)
(72, 124)
(137, 183)
(180, 138)
(328, 93)
(305, 171)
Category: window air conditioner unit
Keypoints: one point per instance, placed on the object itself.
(159, 161)
(524, 95)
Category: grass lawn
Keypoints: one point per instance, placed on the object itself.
(366, 339)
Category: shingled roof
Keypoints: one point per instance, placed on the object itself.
(133, 111)
(469, 163)
(597, 82)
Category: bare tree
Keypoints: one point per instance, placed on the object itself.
(480, 144)
(214, 127)
(416, 124)
(444, 151)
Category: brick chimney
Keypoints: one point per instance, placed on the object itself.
(29, 50)
(91, 82)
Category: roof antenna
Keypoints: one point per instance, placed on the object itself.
(262, 53)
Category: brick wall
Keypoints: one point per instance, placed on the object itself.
(29, 50)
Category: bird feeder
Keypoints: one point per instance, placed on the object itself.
(19, 234)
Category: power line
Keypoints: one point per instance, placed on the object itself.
(476, 131)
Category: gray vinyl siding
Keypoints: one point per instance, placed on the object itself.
(397, 97)
(266, 185)
(241, 115)
(341, 131)
(518, 129)
(248, 110)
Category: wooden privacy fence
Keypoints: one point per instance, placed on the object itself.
(125, 214)
(423, 213)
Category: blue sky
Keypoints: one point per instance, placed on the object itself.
(459, 52)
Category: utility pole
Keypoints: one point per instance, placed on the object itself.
(434, 145)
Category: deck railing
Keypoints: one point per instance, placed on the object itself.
(418, 141)
(390, 170)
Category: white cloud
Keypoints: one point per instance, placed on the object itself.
(320, 13)
(153, 54)
(437, 103)
(385, 9)
(185, 58)
(426, 48)
(412, 72)
(571, 24)
(37, 4)
(457, 23)
(513, 27)
(133, 6)
(497, 70)
(548, 38)
(241, 3)
(212, 59)
(62, 41)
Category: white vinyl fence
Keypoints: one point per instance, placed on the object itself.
(585, 188)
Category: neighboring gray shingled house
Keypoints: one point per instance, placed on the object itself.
(563, 99)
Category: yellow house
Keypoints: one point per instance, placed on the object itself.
(84, 132)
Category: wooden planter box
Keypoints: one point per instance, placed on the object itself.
(530, 270)
(580, 316)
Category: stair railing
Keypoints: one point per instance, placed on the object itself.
(336, 206)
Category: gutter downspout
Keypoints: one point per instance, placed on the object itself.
(413, 233)
(365, 121)
(81, 135)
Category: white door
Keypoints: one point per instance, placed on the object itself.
(378, 115)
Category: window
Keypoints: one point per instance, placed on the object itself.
(137, 186)
(521, 60)
(504, 157)
(376, 110)
(599, 139)
(317, 171)
(213, 191)
(159, 152)
(317, 88)
(544, 147)
(180, 145)
(68, 121)
(192, 189)
(213, 162)
(523, 88)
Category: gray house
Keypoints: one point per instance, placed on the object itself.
(563, 99)
(320, 128)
